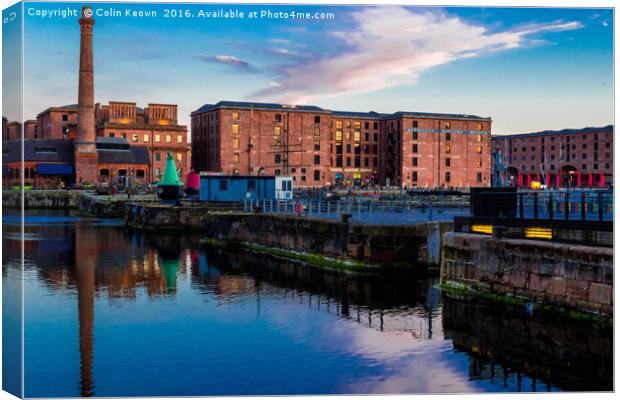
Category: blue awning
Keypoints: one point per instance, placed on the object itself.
(4, 170)
(55, 169)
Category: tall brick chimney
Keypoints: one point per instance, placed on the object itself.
(85, 148)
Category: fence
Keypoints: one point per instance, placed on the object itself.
(570, 205)
(363, 211)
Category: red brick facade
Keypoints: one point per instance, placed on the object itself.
(155, 127)
(57, 123)
(322, 148)
(581, 157)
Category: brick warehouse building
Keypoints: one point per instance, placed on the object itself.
(581, 157)
(153, 128)
(320, 147)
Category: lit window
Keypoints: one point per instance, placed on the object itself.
(235, 129)
(179, 139)
(347, 135)
(357, 136)
(478, 138)
(235, 143)
(339, 124)
(358, 125)
(479, 149)
(124, 135)
(157, 172)
(235, 116)
(146, 137)
(157, 138)
(479, 162)
(179, 156)
(317, 131)
(339, 136)
(168, 138)
(448, 148)
(134, 137)
(479, 127)
(235, 158)
(447, 125)
(277, 131)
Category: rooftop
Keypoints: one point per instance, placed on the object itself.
(568, 131)
(344, 114)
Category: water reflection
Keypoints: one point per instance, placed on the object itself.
(149, 305)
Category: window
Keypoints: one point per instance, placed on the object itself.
(357, 162)
(278, 117)
(479, 139)
(65, 117)
(584, 156)
(414, 161)
(479, 127)
(140, 173)
(124, 135)
(303, 178)
(479, 177)
(317, 160)
(179, 156)
(375, 126)
(414, 124)
(104, 172)
(348, 161)
(303, 170)
(584, 166)
(366, 161)
(146, 137)
(168, 139)
(414, 135)
(447, 177)
(277, 173)
(447, 162)
(375, 137)
(157, 156)
(317, 131)
(235, 129)
(317, 175)
(357, 126)
(347, 135)
(584, 146)
(179, 139)
(479, 149)
(235, 143)
(339, 124)
(594, 166)
(366, 136)
(414, 176)
(447, 125)
(157, 172)
(348, 148)
(277, 131)
(357, 149)
(479, 162)
(111, 134)
(414, 148)
(357, 136)
(223, 185)
(448, 137)
(293, 170)
(339, 161)
(157, 138)
(317, 119)
(448, 148)
(339, 136)
(317, 145)
(278, 158)
(235, 116)
(134, 137)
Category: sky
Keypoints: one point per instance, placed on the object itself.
(529, 69)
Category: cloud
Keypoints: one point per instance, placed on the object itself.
(393, 46)
(280, 41)
(224, 59)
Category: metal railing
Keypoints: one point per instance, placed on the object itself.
(362, 211)
(562, 204)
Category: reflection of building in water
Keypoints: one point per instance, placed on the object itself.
(532, 351)
(370, 301)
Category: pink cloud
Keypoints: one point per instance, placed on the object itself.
(393, 46)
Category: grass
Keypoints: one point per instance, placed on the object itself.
(312, 259)
(462, 291)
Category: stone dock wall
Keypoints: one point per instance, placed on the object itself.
(83, 201)
(556, 274)
(395, 246)
(48, 199)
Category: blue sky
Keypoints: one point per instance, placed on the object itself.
(528, 68)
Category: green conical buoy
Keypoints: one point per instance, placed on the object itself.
(169, 269)
(170, 178)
